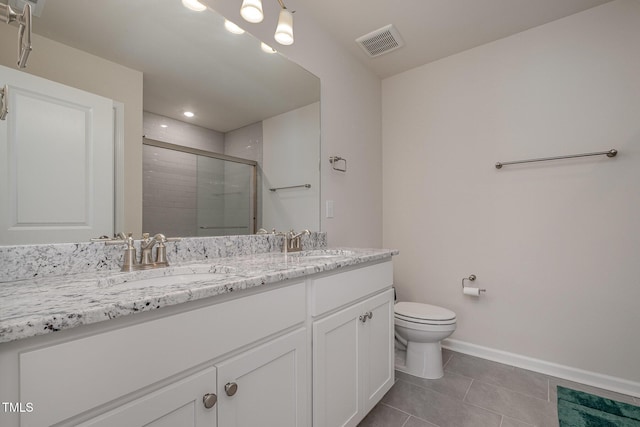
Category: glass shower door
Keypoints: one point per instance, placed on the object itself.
(224, 197)
(189, 192)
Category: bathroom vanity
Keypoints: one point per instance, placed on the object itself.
(255, 340)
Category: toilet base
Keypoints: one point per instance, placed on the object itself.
(424, 360)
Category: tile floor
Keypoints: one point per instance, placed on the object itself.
(474, 392)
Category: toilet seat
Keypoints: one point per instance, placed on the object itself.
(424, 314)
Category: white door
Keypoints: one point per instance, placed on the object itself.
(56, 162)
(180, 404)
(266, 386)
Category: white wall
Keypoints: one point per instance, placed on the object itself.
(290, 158)
(556, 244)
(350, 122)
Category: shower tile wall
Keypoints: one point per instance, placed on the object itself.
(169, 192)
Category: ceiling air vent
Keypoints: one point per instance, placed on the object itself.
(381, 41)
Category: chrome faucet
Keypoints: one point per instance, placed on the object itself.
(292, 241)
(146, 245)
(131, 262)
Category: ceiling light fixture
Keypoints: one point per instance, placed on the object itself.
(266, 48)
(188, 114)
(232, 28)
(251, 11)
(194, 5)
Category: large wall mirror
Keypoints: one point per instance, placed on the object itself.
(249, 156)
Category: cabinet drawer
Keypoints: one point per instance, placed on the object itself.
(330, 292)
(115, 363)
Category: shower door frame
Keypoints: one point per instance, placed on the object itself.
(220, 156)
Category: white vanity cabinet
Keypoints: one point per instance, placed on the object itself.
(160, 370)
(353, 360)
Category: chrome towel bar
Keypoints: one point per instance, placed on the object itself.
(291, 186)
(610, 153)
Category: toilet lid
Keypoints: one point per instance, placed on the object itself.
(414, 311)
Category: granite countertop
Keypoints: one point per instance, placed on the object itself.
(34, 307)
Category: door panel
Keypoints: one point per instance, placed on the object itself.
(379, 363)
(336, 365)
(56, 162)
(271, 385)
(178, 404)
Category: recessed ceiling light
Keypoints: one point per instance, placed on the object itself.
(189, 114)
(232, 28)
(194, 5)
(265, 47)
(164, 126)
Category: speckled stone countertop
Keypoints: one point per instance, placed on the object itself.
(37, 306)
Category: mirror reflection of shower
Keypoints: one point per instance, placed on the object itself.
(192, 192)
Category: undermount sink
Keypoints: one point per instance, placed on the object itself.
(167, 277)
(324, 254)
(179, 279)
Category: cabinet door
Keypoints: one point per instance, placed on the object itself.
(336, 366)
(378, 361)
(265, 386)
(179, 404)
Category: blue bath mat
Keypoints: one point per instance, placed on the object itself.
(579, 409)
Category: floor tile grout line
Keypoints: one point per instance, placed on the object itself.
(492, 410)
(468, 388)
(511, 368)
(433, 390)
(515, 391)
(409, 414)
(447, 396)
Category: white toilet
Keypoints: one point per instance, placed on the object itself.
(423, 326)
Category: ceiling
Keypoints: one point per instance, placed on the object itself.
(188, 60)
(433, 29)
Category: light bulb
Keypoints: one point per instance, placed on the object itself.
(251, 11)
(265, 47)
(194, 5)
(284, 30)
(232, 28)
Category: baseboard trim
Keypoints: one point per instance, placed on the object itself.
(594, 379)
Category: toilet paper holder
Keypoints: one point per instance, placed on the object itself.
(471, 278)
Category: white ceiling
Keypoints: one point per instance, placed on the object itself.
(189, 61)
(434, 29)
